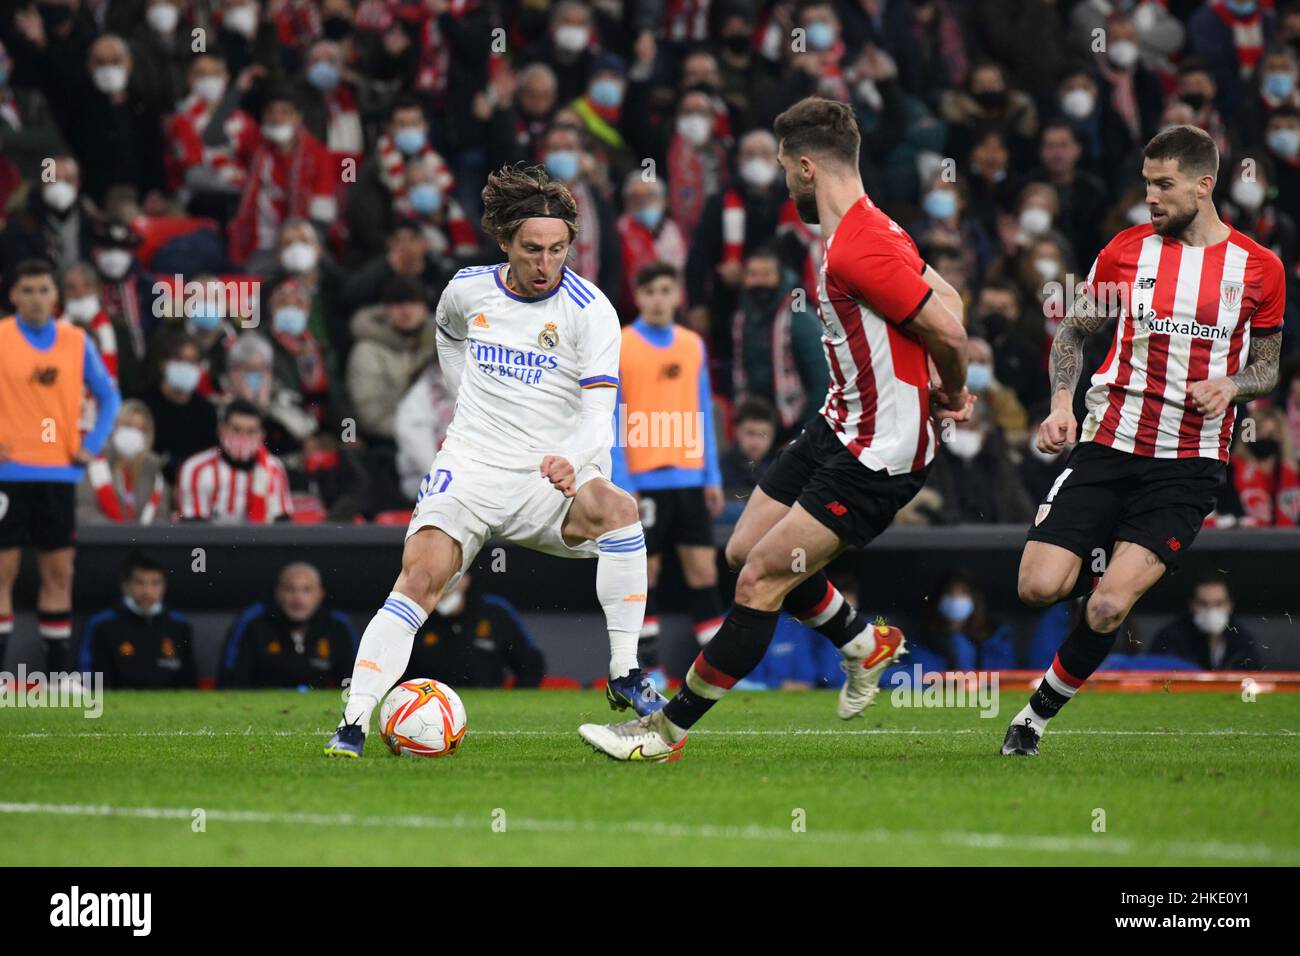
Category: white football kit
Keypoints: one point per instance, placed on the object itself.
(532, 377)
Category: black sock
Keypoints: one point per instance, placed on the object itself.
(815, 599)
(734, 651)
(706, 612)
(1080, 655)
(55, 628)
(56, 654)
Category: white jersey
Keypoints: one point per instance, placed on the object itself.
(527, 361)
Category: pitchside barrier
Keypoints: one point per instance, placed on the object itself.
(216, 570)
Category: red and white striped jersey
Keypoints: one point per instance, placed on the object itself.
(1185, 314)
(209, 488)
(869, 287)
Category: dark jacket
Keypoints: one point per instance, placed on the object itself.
(1181, 638)
(477, 647)
(139, 652)
(261, 650)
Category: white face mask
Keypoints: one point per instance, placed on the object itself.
(451, 604)
(1248, 195)
(210, 88)
(82, 309)
(1078, 103)
(163, 17)
(572, 38)
(1047, 268)
(114, 263)
(278, 133)
(241, 20)
(694, 128)
(110, 79)
(1035, 221)
(299, 257)
(1211, 621)
(965, 443)
(1123, 53)
(758, 173)
(129, 441)
(59, 195)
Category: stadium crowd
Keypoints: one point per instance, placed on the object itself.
(253, 206)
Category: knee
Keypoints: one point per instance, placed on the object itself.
(1106, 611)
(757, 589)
(1038, 590)
(420, 585)
(736, 554)
(618, 509)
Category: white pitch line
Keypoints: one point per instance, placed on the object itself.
(791, 732)
(965, 839)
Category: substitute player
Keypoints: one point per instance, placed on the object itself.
(530, 350)
(1199, 306)
(884, 316)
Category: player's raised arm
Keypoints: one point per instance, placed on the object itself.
(452, 336)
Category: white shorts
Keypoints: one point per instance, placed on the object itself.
(474, 502)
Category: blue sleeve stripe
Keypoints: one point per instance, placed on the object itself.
(237, 635)
(598, 380)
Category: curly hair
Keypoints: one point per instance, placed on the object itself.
(519, 192)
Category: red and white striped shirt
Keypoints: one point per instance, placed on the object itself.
(1185, 314)
(869, 287)
(208, 488)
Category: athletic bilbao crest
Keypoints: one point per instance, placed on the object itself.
(1042, 513)
(1230, 293)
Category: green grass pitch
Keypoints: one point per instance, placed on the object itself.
(768, 778)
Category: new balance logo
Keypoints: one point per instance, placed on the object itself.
(837, 509)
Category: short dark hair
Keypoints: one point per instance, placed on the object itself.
(405, 101)
(652, 271)
(1211, 578)
(1190, 146)
(519, 192)
(242, 406)
(174, 342)
(819, 127)
(401, 289)
(755, 410)
(34, 267)
(764, 251)
(140, 561)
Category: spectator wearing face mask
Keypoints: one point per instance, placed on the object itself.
(1283, 140)
(160, 42)
(328, 95)
(110, 126)
(302, 365)
(1158, 33)
(1017, 338)
(1124, 82)
(1275, 85)
(1008, 414)
(733, 222)
(52, 223)
(601, 108)
(140, 643)
(595, 251)
(291, 174)
(476, 640)
(185, 422)
(747, 81)
(974, 478)
(82, 306)
(1033, 220)
(329, 480)
(211, 140)
(394, 341)
(988, 102)
(1209, 635)
(250, 377)
(943, 223)
(212, 324)
(238, 481)
(960, 630)
(300, 258)
(124, 483)
(1197, 90)
(1264, 478)
(647, 235)
(126, 294)
(244, 37)
(1105, 134)
(778, 348)
(568, 45)
(294, 640)
(1248, 206)
(697, 161)
(1231, 37)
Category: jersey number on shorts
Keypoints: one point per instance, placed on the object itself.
(434, 483)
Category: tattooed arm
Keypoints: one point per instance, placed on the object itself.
(1259, 377)
(1083, 319)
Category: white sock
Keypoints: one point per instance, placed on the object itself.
(1028, 713)
(384, 653)
(621, 587)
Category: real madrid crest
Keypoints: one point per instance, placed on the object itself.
(549, 337)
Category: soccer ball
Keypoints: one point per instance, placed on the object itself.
(422, 718)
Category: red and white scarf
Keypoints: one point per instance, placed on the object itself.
(115, 493)
(392, 170)
(693, 175)
(1247, 33)
(791, 398)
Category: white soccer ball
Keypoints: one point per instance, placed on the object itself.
(422, 718)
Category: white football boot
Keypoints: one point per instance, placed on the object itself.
(646, 738)
(862, 674)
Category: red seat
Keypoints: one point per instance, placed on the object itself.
(402, 516)
(560, 683)
(157, 231)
